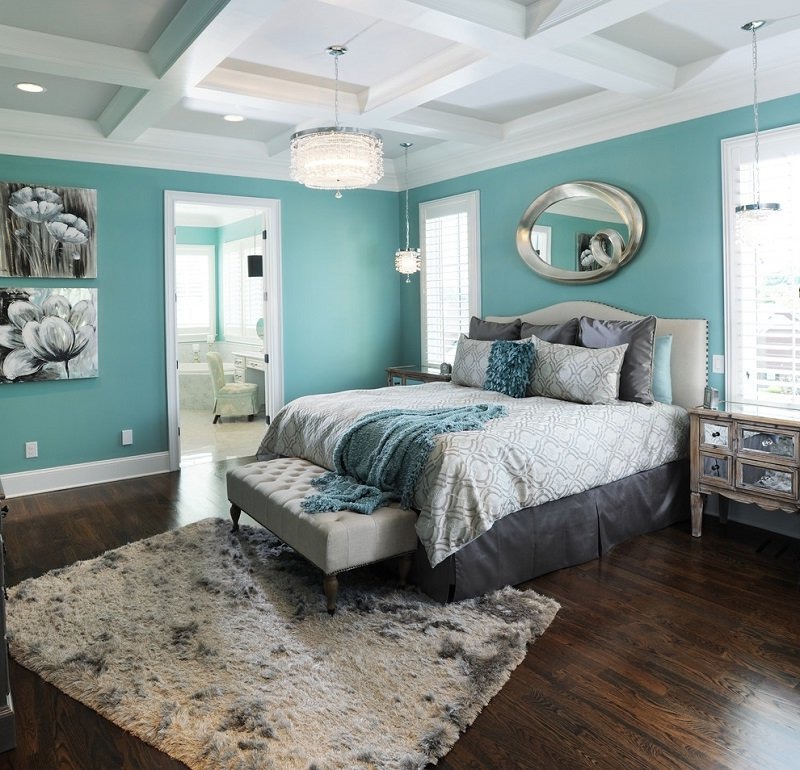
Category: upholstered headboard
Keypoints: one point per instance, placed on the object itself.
(689, 359)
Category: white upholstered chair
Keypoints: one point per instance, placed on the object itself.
(231, 399)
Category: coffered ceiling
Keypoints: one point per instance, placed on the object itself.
(471, 83)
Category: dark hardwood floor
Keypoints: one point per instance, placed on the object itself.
(670, 652)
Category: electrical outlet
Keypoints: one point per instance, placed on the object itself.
(718, 364)
(127, 437)
(31, 449)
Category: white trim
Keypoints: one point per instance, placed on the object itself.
(273, 317)
(82, 474)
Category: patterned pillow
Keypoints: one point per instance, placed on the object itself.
(471, 362)
(509, 369)
(572, 373)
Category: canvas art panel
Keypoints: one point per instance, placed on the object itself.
(47, 334)
(47, 232)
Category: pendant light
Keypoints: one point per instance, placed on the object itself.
(755, 211)
(407, 261)
(336, 157)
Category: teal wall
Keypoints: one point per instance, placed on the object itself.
(674, 172)
(347, 314)
(341, 307)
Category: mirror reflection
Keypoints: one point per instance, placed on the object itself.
(571, 223)
(580, 231)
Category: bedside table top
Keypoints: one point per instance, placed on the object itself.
(415, 368)
(749, 409)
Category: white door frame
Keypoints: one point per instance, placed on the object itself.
(273, 316)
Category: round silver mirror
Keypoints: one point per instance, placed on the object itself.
(580, 232)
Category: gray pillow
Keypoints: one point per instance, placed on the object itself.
(471, 362)
(493, 330)
(573, 373)
(636, 379)
(563, 334)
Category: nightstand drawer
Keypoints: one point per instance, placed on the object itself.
(766, 442)
(716, 433)
(777, 480)
(715, 469)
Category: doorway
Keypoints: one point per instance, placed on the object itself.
(222, 281)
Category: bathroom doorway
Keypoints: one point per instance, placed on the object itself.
(222, 278)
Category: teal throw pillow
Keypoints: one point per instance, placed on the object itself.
(662, 372)
(510, 366)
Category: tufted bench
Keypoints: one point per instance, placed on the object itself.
(271, 492)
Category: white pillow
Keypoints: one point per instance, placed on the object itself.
(572, 373)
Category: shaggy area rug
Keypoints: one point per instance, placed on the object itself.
(216, 648)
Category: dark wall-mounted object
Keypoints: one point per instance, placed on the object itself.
(255, 266)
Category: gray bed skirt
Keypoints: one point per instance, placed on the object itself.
(561, 533)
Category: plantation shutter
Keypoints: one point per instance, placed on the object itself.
(763, 273)
(241, 294)
(449, 276)
(194, 267)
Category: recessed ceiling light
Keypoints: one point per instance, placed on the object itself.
(31, 88)
(233, 118)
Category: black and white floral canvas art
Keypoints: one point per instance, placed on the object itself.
(47, 334)
(47, 232)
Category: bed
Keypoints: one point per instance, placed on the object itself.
(550, 484)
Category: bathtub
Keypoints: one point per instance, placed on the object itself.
(194, 384)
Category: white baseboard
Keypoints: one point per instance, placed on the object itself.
(68, 476)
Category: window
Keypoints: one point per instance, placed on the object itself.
(194, 279)
(242, 305)
(762, 271)
(450, 282)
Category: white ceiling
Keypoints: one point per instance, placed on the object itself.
(471, 83)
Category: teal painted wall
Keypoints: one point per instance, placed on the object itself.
(341, 307)
(675, 174)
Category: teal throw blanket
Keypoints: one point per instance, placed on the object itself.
(381, 455)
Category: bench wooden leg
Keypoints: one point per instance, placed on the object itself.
(331, 587)
(404, 567)
(236, 512)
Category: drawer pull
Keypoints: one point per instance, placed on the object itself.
(715, 434)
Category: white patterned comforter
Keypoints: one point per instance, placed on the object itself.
(541, 450)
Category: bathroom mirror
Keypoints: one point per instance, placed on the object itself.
(580, 232)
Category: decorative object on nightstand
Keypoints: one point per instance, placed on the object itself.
(7, 734)
(744, 452)
(399, 375)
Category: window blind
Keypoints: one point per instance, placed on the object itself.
(449, 277)
(762, 270)
(194, 266)
(242, 303)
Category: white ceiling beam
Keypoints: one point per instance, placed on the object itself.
(446, 125)
(555, 28)
(24, 49)
(455, 67)
(200, 36)
(450, 20)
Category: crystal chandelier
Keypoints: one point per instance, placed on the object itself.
(336, 157)
(755, 211)
(407, 260)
